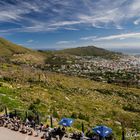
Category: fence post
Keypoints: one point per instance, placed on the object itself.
(51, 120)
(6, 113)
(83, 129)
(38, 119)
(15, 112)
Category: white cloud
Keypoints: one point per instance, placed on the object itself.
(119, 36)
(65, 42)
(112, 37)
(30, 41)
(64, 23)
(137, 22)
(10, 12)
(118, 45)
(71, 28)
(69, 14)
(88, 38)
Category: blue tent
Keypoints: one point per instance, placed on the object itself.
(102, 130)
(66, 122)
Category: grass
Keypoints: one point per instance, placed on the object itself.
(18, 54)
(7, 48)
(88, 101)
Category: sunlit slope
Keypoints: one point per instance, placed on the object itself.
(19, 54)
(89, 51)
(7, 48)
(85, 100)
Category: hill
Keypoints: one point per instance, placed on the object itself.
(88, 51)
(19, 54)
(67, 96)
(8, 49)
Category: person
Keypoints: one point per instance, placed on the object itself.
(30, 130)
(39, 129)
(88, 133)
(47, 130)
(95, 137)
(23, 128)
(27, 121)
(1, 122)
(82, 136)
(33, 124)
(62, 133)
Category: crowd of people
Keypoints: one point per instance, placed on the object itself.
(31, 128)
(44, 131)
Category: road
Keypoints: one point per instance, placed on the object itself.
(6, 134)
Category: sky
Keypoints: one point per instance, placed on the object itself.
(58, 24)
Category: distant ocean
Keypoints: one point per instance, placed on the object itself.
(134, 51)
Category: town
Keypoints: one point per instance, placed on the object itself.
(124, 70)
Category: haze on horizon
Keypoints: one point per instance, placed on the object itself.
(70, 23)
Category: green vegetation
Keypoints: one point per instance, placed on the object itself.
(10, 52)
(8, 49)
(82, 99)
(88, 51)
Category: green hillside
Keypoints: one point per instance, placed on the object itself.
(88, 51)
(93, 103)
(19, 54)
(8, 49)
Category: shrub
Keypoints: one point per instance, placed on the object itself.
(131, 108)
(74, 115)
(55, 114)
(83, 117)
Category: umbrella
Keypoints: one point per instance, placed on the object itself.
(102, 130)
(66, 122)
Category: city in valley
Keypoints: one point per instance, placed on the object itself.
(123, 70)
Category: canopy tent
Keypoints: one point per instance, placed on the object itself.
(66, 122)
(102, 130)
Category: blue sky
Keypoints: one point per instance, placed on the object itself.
(71, 23)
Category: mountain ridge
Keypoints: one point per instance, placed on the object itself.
(8, 49)
(87, 51)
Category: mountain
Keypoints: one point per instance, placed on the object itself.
(19, 54)
(88, 51)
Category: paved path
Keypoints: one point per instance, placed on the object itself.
(6, 134)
